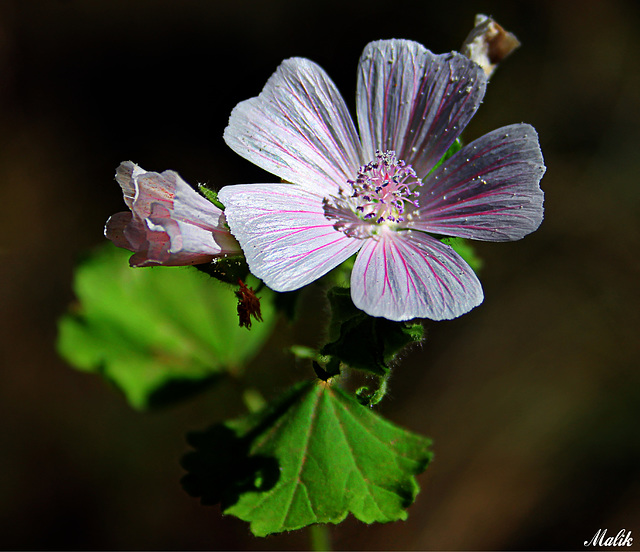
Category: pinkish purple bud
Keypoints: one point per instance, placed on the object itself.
(169, 223)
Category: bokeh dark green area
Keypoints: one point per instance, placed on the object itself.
(532, 400)
(158, 335)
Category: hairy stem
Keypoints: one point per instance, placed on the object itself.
(320, 538)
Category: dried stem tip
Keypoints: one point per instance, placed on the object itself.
(488, 44)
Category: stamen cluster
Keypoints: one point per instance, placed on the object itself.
(384, 187)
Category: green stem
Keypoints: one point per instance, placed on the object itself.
(319, 535)
(366, 397)
(382, 389)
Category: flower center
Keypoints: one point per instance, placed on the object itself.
(383, 189)
(384, 193)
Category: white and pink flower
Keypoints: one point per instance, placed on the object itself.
(375, 192)
(169, 222)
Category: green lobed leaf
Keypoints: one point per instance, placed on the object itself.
(313, 456)
(464, 248)
(453, 149)
(157, 333)
(362, 341)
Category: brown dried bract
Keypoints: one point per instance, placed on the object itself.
(248, 305)
(488, 44)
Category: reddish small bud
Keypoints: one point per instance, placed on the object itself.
(248, 305)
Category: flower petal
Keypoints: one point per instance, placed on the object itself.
(284, 233)
(175, 243)
(414, 102)
(125, 231)
(298, 128)
(125, 175)
(408, 274)
(489, 190)
(170, 223)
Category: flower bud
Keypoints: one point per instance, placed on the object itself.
(170, 223)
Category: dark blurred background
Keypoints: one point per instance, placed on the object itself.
(533, 399)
